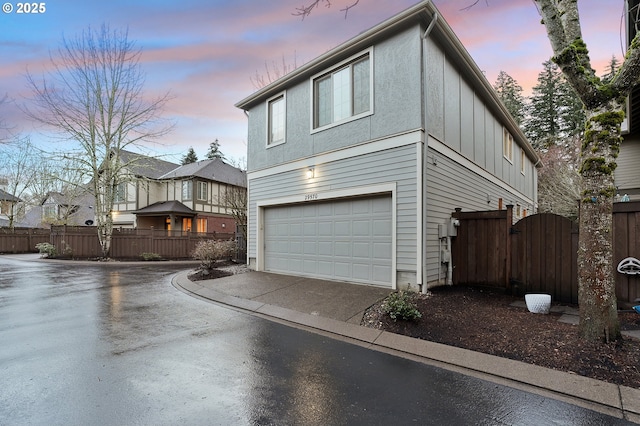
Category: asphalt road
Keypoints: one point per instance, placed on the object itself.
(119, 345)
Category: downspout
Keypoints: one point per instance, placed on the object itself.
(421, 272)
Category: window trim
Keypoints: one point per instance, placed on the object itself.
(312, 87)
(507, 150)
(120, 194)
(523, 159)
(269, 143)
(202, 184)
(190, 192)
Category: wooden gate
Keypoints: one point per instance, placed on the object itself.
(536, 255)
(539, 254)
(544, 257)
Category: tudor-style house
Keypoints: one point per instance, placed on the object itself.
(357, 159)
(163, 195)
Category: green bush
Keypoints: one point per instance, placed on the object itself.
(46, 249)
(208, 252)
(150, 256)
(399, 305)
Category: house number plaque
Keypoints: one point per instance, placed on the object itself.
(309, 197)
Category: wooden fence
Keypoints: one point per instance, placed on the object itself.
(81, 242)
(22, 240)
(537, 254)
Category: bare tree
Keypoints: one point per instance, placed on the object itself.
(559, 181)
(235, 198)
(18, 165)
(93, 95)
(273, 73)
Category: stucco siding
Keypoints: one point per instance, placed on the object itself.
(396, 74)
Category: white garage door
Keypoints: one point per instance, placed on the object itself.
(346, 240)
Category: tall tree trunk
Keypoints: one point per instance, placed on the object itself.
(596, 276)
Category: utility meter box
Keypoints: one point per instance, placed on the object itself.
(453, 227)
(442, 230)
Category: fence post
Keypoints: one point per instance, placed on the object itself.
(509, 224)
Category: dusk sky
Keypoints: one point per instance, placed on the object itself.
(205, 52)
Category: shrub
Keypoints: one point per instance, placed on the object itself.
(46, 249)
(208, 252)
(399, 305)
(150, 256)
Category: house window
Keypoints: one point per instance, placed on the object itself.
(186, 224)
(186, 190)
(523, 158)
(343, 93)
(201, 224)
(202, 191)
(507, 145)
(50, 211)
(120, 195)
(276, 120)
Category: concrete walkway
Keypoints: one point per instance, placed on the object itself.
(336, 309)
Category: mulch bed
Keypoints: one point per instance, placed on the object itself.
(483, 321)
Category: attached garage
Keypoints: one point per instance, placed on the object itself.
(345, 240)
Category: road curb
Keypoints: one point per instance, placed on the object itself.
(617, 401)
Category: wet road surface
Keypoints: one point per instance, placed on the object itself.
(119, 345)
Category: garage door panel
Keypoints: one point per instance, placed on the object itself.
(381, 251)
(360, 250)
(348, 240)
(382, 228)
(325, 248)
(343, 248)
(361, 228)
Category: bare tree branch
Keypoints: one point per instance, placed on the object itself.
(304, 11)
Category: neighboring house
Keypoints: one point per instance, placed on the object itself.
(67, 209)
(168, 196)
(7, 203)
(357, 159)
(627, 174)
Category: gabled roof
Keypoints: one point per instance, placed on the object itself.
(145, 166)
(163, 208)
(215, 170)
(5, 196)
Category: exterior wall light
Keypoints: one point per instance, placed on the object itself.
(310, 173)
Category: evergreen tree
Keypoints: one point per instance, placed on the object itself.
(555, 112)
(189, 157)
(612, 69)
(214, 151)
(510, 93)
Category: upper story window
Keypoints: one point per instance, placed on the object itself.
(186, 190)
(507, 145)
(276, 120)
(523, 159)
(202, 191)
(343, 93)
(120, 195)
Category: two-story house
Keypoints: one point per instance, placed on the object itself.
(357, 159)
(627, 174)
(165, 195)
